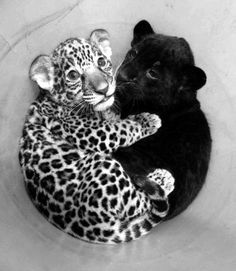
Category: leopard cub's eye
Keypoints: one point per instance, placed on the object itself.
(152, 74)
(101, 62)
(73, 75)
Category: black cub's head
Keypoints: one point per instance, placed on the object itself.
(158, 74)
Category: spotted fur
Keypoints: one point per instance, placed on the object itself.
(66, 146)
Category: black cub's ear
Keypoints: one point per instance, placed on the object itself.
(193, 78)
(141, 30)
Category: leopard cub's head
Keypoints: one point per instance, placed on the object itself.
(78, 72)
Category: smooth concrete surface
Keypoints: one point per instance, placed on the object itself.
(202, 238)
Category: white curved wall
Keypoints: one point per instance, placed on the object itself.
(204, 237)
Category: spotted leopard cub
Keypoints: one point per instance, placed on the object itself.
(65, 150)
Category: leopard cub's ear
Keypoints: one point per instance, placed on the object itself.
(101, 38)
(42, 72)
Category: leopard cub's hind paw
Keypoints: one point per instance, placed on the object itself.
(164, 179)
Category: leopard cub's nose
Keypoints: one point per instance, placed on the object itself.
(101, 90)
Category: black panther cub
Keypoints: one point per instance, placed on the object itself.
(158, 76)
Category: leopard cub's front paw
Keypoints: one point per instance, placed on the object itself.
(150, 123)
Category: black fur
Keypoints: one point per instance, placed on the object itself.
(158, 76)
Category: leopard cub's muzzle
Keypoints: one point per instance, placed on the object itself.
(102, 88)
